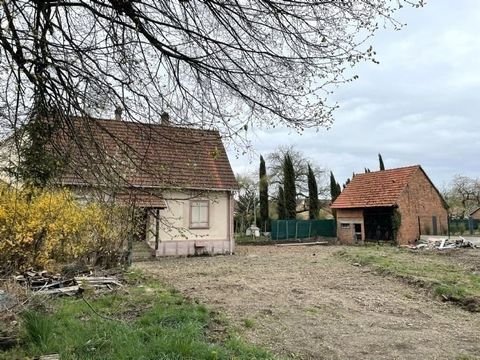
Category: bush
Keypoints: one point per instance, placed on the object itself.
(39, 228)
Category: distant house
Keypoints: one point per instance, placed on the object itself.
(179, 178)
(475, 214)
(303, 206)
(396, 204)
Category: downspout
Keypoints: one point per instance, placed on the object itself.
(230, 220)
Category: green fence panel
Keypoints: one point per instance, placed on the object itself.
(464, 226)
(301, 229)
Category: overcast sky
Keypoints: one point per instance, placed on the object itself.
(418, 106)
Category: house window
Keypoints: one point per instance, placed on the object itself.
(345, 226)
(199, 216)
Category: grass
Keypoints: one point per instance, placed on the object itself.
(147, 321)
(424, 269)
(249, 323)
(241, 239)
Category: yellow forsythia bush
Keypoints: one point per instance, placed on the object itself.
(39, 228)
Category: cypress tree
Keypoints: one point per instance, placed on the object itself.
(313, 204)
(281, 204)
(263, 194)
(380, 160)
(335, 188)
(289, 188)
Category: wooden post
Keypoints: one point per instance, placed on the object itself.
(157, 229)
(130, 237)
(448, 225)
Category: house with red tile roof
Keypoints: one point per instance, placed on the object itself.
(395, 205)
(179, 178)
(475, 214)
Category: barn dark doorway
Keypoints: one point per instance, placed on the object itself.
(378, 224)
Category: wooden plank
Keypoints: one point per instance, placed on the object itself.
(305, 244)
(49, 357)
(69, 290)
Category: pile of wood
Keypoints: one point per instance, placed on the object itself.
(438, 243)
(42, 282)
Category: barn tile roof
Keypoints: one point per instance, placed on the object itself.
(375, 189)
(144, 155)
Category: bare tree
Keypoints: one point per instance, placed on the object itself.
(463, 195)
(300, 165)
(246, 203)
(212, 63)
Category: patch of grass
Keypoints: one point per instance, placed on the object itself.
(147, 321)
(249, 323)
(312, 310)
(424, 269)
(466, 357)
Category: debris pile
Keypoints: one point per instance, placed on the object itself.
(435, 243)
(43, 282)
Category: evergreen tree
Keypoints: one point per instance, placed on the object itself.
(335, 188)
(313, 204)
(264, 218)
(380, 160)
(282, 214)
(290, 192)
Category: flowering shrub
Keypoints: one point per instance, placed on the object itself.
(39, 228)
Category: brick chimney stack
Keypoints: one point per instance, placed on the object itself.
(165, 119)
(118, 113)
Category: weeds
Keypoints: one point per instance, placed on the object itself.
(429, 270)
(150, 322)
(249, 323)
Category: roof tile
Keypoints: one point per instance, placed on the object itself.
(144, 155)
(375, 189)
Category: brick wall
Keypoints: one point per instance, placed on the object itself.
(418, 203)
(346, 235)
(476, 215)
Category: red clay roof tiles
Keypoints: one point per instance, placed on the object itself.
(145, 155)
(375, 189)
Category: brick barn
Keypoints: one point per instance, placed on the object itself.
(396, 205)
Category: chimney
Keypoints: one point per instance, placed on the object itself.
(118, 113)
(165, 119)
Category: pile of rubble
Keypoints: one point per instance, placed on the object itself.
(436, 243)
(43, 282)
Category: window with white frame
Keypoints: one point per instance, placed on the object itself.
(199, 216)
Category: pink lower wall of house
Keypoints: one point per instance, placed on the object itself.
(192, 247)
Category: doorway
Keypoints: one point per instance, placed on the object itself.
(378, 224)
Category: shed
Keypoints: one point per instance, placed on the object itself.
(395, 205)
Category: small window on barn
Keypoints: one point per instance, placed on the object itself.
(345, 226)
(199, 216)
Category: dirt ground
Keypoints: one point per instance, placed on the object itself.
(306, 303)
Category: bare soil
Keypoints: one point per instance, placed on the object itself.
(307, 303)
